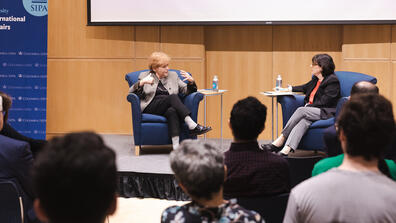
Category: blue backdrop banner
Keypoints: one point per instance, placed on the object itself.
(23, 68)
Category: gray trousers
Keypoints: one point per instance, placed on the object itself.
(298, 124)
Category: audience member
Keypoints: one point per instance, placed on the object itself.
(388, 167)
(252, 171)
(332, 144)
(356, 191)
(16, 161)
(200, 171)
(75, 180)
(7, 130)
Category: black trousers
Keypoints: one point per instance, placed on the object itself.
(35, 144)
(172, 108)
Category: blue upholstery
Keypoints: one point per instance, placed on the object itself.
(149, 129)
(313, 138)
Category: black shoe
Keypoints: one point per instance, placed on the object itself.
(271, 147)
(199, 130)
(286, 155)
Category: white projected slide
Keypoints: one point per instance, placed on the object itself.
(223, 11)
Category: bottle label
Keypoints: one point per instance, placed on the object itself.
(214, 85)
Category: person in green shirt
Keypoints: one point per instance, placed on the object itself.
(335, 161)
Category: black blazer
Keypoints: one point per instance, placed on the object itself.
(326, 97)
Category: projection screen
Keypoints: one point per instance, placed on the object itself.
(119, 12)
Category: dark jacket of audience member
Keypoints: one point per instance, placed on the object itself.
(35, 144)
(252, 171)
(15, 164)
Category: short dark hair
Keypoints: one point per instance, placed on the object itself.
(75, 178)
(325, 62)
(368, 125)
(199, 167)
(7, 102)
(248, 118)
(361, 87)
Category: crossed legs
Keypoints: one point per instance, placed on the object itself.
(296, 127)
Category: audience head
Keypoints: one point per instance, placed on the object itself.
(325, 62)
(361, 87)
(5, 105)
(247, 119)
(158, 59)
(367, 123)
(75, 179)
(199, 168)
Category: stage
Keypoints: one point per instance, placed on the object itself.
(150, 176)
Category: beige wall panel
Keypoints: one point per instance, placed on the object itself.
(238, 38)
(88, 95)
(241, 57)
(243, 74)
(317, 38)
(366, 42)
(381, 70)
(183, 41)
(147, 40)
(70, 37)
(393, 45)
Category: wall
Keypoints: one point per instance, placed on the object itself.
(87, 64)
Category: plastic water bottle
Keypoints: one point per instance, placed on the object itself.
(278, 83)
(215, 83)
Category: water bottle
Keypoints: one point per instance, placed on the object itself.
(278, 83)
(215, 83)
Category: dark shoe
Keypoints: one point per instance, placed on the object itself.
(199, 130)
(271, 147)
(286, 155)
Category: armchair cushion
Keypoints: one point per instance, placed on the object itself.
(153, 118)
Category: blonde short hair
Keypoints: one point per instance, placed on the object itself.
(158, 59)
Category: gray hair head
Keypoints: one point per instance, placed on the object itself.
(199, 167)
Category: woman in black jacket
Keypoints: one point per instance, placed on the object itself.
(321, 96)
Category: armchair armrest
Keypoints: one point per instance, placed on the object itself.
(289, 104)
(136, 112)
(191, 101)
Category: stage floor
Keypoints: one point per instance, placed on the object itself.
(151, 159)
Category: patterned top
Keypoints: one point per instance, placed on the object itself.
(192, 212)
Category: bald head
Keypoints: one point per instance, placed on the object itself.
(364, 87)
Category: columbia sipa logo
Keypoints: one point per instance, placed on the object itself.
(36, 7)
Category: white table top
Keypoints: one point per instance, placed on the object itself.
(277, 93)
(211, 91)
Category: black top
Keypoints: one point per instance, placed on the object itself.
(326, 97)
(161, 90)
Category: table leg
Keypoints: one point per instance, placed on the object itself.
(205, 115)
(221, 121)
(276, 104)
(272, 117)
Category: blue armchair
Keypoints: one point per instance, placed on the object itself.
(313, 138)
(149, 129)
